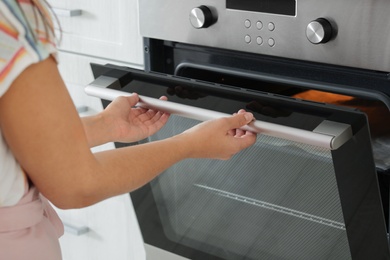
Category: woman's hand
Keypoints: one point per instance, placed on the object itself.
(219, 138)
(122, 122)
(130, 124)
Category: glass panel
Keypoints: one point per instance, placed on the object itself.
(253, 206)
(276, 200)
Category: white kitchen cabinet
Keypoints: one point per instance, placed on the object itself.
(106, 230)
(113, 231)
(75, 70)
(100, 28)
(103, 32)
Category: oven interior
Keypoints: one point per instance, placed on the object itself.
(368, 91)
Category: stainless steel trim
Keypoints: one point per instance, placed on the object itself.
(358, 40)
(331, 137)
(67, 12)
(341, 132)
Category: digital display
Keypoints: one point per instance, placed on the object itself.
(283, 7)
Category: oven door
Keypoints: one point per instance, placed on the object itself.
(295, 194)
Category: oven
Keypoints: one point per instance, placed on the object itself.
(316, 76)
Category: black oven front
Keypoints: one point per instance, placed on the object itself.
(297, 65)
(280, 199)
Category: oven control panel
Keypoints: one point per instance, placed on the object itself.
(346, 33)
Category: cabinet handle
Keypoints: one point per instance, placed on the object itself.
(328, 134)
(77, 231)
(82, 109)
(67, 12)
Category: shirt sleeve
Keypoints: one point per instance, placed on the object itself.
(24, 40)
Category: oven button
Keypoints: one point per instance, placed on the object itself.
(319, 31)
(248, 39)
(248, 24)
(201, 17)
(259, 40)
(259, 25)
(271, 26)
(271, 42)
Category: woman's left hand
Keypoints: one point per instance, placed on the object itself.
(131, 124)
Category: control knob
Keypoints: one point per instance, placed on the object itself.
(319, 31)
(201, 17)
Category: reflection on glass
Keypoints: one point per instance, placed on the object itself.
(253, 206)
(183, 92)
(267, 109)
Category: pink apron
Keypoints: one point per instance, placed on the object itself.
(30, 229)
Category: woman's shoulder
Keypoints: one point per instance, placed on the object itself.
(26, 37)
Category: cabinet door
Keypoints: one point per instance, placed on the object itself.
(107, 230)
(106, 29)
(76, 71)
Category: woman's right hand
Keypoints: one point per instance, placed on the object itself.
(219, 138)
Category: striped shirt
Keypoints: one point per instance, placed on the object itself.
(24, 40)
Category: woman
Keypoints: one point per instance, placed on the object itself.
(45, 146)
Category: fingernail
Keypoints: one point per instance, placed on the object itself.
(248, 116)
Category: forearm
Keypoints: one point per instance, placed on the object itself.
(122, 170)
(97, 130)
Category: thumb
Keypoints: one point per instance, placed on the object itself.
(133, 99)
(240, 119)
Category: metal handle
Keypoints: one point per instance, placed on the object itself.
(77, 231)
(328, 134)
(82, 109)
(67, 12)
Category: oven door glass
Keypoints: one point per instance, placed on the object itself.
(279, 199)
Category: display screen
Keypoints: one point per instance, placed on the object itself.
(283, 7)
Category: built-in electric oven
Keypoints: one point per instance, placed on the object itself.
(316, 76)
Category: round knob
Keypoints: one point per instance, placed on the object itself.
(201, 17)
(319, 31)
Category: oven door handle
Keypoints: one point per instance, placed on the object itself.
(327, 134)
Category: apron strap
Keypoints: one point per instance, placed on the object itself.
(51, 214)
(29, 212)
